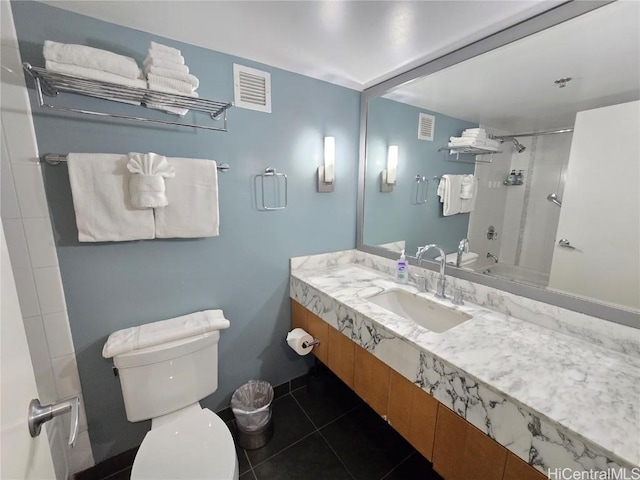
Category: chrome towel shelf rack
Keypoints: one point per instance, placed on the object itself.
(471, 151)
(51, 83)
(55, 159)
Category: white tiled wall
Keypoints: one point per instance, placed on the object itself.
(25, 217)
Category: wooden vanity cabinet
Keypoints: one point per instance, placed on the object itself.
(461, 451)
(341, 355)
(518, 469)
(371, 380)
(412, 413)
(458, 450)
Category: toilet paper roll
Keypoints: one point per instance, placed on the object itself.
(296, 338)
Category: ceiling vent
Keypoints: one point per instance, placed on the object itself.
(251, 88)
(426, 126)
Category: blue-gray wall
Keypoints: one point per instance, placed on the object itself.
(389, 217)
(245, 270)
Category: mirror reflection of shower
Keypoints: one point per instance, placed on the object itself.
(553, 198)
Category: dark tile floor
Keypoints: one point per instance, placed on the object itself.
(324, 431)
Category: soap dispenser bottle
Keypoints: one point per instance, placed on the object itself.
(402, 270)
(511, 179)
(519, 179)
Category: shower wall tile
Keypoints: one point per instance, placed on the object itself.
(42, 249)
(80, 457)
(50, 292)
(30, 189)
(8, 197)
(65, 372)
(56, 327)
(40, 360)
(21, 265)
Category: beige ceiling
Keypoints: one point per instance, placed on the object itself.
(351, 43)
(512, 88)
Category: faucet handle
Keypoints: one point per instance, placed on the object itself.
(458, 296)
(421, 282)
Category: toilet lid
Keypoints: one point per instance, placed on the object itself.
(197, 445)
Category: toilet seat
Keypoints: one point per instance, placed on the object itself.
(196, 445)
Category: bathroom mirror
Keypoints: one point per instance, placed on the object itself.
(515, 85)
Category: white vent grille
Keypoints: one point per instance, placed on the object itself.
(251, 88)
(426, 126)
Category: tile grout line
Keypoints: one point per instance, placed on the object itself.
(336, 454)
(398, 465)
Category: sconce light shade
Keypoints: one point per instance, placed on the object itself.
(388, 176)
(326, 172)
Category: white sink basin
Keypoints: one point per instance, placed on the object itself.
(432, 316)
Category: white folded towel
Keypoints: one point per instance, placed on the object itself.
(101, 200)
(173, 83)
(467, 258)
(156, 62)
(168, 108)
(466, 192)
(164, 56)
(146, 185)
(164, 331)
(193, 201)
(165, 48)
(449, 193)
(178, 75)
(474, 135)
(468, 204)
(474, 130)
(89, 57)
(101, 75)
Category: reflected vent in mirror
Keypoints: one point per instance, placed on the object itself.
(426, 125)
(251, 88)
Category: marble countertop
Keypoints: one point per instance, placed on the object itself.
(588, 389)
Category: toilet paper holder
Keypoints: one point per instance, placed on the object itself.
(311, 344)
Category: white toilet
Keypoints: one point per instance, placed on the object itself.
(165, 383)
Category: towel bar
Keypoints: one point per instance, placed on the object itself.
(55, 159)
(278, 184)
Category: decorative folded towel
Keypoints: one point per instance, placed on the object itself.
(164, 56)
(165, 48)
(449, 193)
(466, 192)
(146, 185)
(468, 204)
(172, 83)
(193, 201)
(168, 73)
(164, 331)
(101, 201)
(467, 258)
(156, 62)
(90, 57)
(101, 75)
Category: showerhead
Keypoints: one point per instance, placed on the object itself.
(519, 147)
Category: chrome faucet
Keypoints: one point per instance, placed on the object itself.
(495, 259)
(463, 247)
(443, 261)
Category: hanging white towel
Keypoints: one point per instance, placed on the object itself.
(101, 199)
(146, 184)
(193, 201)
(466, 191)
(449, 193)
(164, 331)
(91, 58)
(467, 205)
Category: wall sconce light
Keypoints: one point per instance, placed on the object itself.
(388, 176)
(326, 172)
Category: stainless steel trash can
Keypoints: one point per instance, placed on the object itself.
(251, 406)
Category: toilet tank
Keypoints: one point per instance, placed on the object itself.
(167, 377)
